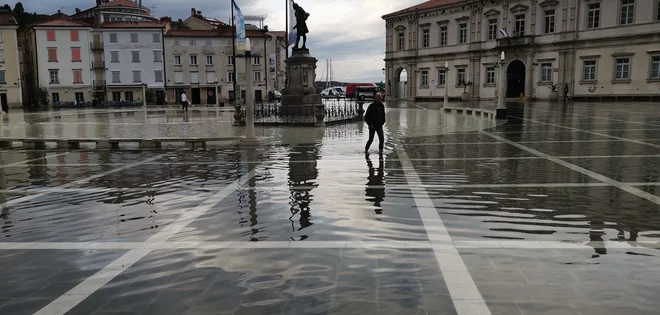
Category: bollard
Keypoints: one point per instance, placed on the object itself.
(74, 145)
(103, 144)
(63, 144)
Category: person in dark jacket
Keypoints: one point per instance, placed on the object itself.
(375, 119)
(566, 98)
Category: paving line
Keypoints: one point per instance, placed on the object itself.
(141, 248)
(623, 186)
(22, 163)
(81, 181)
(464, 292)
(90, 285)
(603, 118)
(279, 162)
(585, 131)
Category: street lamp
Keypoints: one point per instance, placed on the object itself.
(216, 93)
(501, 108)
(446, 102)
(250, 138)
(144, 95)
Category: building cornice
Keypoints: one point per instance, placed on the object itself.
(492, 12)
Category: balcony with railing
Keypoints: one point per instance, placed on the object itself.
(96, 46)
(515, 41)
(99, 84)
(98, 65)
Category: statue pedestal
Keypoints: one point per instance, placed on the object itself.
(300, 97)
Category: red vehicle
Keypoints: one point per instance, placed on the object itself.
(350, 88)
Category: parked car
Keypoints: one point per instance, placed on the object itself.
(351, 87)
(333, 92)
(366, 92)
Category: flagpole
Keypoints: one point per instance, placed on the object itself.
(287, 28)
(233, 47)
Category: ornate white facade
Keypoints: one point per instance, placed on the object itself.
(600, 48)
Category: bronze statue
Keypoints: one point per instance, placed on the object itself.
(301, 25)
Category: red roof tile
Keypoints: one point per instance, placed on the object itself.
(7, 20)
(424, 6)
(211, 33)
(116, 3)
(62, 23)
(133, 24)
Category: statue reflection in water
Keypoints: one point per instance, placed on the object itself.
(375, 190)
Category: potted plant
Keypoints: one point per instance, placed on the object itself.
(554, 95)
(465, 96)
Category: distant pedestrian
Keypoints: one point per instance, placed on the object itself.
(375, 119)
(184, 102)
(566, 98)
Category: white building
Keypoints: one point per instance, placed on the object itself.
(57, 56)
(199, 60)
(114, 10)
(133, 59)
(599, 48)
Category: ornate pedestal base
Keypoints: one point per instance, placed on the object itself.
(300, 92)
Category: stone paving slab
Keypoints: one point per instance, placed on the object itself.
(39, 277)
(236, 282)
(603, 148)
(553, 214)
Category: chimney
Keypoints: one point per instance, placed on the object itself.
(98, 2)
(77, 10)
(193, 12)
(140, 4)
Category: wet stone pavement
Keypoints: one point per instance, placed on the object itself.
(555, 212)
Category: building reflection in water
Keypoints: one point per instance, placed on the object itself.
(375, 190)
(303, 178)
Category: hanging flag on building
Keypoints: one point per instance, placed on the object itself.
(239, 23)
(292, 22)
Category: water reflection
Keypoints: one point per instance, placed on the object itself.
(302, 180)
(375, 190)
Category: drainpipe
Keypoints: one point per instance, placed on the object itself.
(162, 42)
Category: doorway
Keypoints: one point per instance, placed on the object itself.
(515, 79)
(160, 97)
(400, 84)
(210, 95)
(195, 97)
(3, 101)
(257, 95)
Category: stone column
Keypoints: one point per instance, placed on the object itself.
(529, 76)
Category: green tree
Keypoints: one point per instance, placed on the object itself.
(180, 25)
(18, 8)
(6, 7)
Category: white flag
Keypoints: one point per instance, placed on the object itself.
(292, 22)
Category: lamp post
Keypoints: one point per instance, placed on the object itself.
(249, 139)
(446, 103)
(144, 95)
(501, 108)
(216, 93)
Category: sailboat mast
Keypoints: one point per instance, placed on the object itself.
(233, 47)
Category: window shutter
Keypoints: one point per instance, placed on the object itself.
(75, 36)
(51, 36)
(75, 54)
(52, 54)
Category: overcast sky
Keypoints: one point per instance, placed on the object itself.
(351, 32)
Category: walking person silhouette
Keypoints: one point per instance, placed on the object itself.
(375, 119)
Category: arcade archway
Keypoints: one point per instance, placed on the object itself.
(515, 79)
(398, 86)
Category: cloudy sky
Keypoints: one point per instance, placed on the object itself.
(351, 32)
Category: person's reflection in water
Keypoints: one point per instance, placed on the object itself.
(375, 188)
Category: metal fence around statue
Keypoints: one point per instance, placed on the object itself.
(332, 111)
